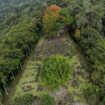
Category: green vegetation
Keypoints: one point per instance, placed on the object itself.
(65, 17)
(88, 32)
(15, 47)
(56, 71)
(21, 23)
(47, 100)
(90, 89)
(26, 99)
(94, 49)
(18, 35)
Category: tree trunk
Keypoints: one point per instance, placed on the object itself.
(6, 90)
(7, 87)
(13, 75)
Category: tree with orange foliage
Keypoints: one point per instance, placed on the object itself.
(51, 20)
(54, 18)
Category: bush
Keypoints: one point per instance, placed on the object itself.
(90, 89)
(47, 100)
(26, 99)
(56, 71)
(91, 93)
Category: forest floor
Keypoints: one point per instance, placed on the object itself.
(28, 80)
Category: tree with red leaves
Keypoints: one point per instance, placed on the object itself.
(51, 16)
(54, 18)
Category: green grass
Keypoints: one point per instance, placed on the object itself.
(28, 79)
(76, 91)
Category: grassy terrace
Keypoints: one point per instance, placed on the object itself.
(29, 80)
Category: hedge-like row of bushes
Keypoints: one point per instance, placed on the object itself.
(15, 46)
(93, 46)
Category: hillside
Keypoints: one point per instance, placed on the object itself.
(52, 52)
(28, 81)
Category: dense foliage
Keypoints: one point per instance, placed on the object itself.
(94, 49)
(47, 100)
(89, 21)
(56, 71)
(19, 30)
(65, 17)
(88, 31)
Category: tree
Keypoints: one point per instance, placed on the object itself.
(65, 17)
(55, 18)
(50, 18)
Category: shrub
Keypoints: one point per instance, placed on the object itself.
(47, 100)
(56, 71)
(91, 93)
(77, 34)
(96, 93)
(90, 89)
(26, 99)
